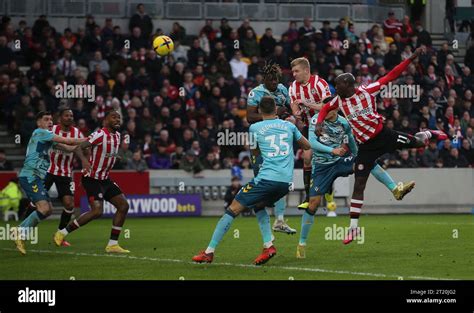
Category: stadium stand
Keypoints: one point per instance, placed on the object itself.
(167, 127)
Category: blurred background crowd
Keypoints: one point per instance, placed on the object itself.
(174, 107)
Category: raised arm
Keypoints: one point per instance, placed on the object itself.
(398, 70)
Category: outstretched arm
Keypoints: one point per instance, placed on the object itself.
(397, 70)
(320, 147)
(64, 147)
(68, 141)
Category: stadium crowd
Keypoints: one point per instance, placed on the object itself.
(174, 107)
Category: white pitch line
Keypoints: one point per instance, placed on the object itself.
(288, 268)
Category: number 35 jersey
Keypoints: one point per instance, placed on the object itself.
(275, 140)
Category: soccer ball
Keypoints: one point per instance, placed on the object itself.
(331, 207)
(163, 45)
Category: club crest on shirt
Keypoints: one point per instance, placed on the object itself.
(313, 91)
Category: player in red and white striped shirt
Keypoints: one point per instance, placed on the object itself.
(104, 144)
(307, 93)
(360, 109)
(60, 168)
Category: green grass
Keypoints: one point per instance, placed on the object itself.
(410, 246)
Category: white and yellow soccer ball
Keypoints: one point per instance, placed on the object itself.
(331, 209)
(163, 45)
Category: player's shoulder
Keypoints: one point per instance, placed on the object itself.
(282, 88)
(314, 119)
(97, 132)
(40, 132)
(254, 126)
(255, 94)
(318, 78)
(257, 90)
(287, 124)
(334, 100)
(368, 86)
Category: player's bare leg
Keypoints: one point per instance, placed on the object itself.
(120, 202)
(97, 207)
(68, 210)
(307, 221)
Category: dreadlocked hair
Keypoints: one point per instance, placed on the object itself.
(271, 71)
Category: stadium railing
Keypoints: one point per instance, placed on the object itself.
(278, 10)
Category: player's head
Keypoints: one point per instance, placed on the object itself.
(66, 117)
(271, 76)
(44, 119)
(332, 115)
(345, 85)
(113, 120)
(267, 106)
(301, 69)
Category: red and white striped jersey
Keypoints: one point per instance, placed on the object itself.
(61, 161)
(360, 111)
(313, 92)
(105, 147)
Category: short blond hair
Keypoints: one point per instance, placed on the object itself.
(300, 61)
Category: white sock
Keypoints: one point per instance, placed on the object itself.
(112, 242)
(268, 244)
(64, 231)
(281, 218)
(354, 222)
(210, 250)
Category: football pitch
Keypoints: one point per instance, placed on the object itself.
(395, 247)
